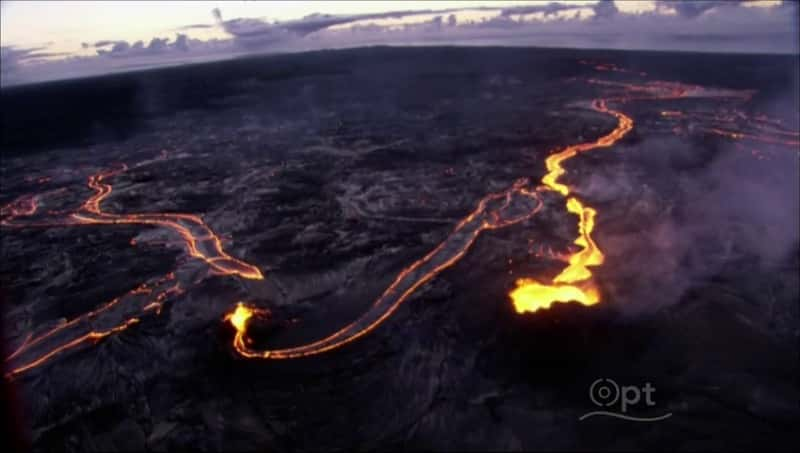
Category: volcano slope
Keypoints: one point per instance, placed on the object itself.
(383, 224)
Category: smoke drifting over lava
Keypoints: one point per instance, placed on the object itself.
(706, 210)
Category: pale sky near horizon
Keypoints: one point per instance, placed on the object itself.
(63, 25)
(42, 40)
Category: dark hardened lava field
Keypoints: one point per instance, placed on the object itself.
(330, 173)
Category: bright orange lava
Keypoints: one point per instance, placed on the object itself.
(497, 210)
(201, 243)
(509, 207)
(573, 283)
(240, 316)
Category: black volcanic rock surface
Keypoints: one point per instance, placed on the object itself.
(331, 172)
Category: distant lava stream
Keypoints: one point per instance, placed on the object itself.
(120, 313)
(200, 241)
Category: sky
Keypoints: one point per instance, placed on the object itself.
(43, 40)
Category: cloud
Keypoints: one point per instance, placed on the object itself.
(605, 9)
(104, 43)
(195, 27)
(158, 44)
(12, 57)
(182, 42)
(712, 26)
(696, 26)
(13, 61)
(255, 32)
(547, 9)
(693, 9)
(122, 49)
(722, 27)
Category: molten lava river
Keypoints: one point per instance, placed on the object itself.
(517, 203)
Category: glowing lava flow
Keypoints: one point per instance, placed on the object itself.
(737, 125)
(745, 136)
(91, 327)
(574, 282)
(200, 241)
(22, 207)
(494, 211)
(124, 311)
